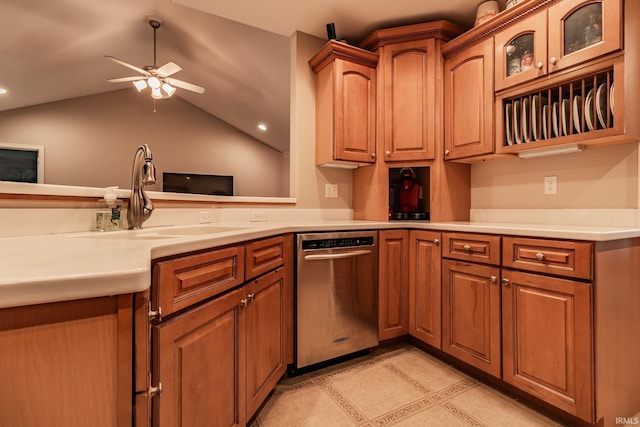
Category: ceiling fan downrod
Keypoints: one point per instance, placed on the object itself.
(155, 24)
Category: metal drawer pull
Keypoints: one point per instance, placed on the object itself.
(505, 282)
(553, 60)
(539, 65)
(493, 279)
(244, 302)
(467, 248)
(436, 241)
(540, 256)
(251, 297)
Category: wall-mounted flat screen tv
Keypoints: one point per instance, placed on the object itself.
(214, 185)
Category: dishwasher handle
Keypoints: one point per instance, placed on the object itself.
(321, 257)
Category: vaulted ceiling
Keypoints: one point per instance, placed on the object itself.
(238, 51)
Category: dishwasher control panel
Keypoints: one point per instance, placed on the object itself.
(345, 242)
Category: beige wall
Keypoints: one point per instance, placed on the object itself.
(307, 180)
(90, 141)
(597, 178)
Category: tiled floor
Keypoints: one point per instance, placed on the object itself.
(404, 387)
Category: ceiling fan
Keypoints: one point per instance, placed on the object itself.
(157, 78)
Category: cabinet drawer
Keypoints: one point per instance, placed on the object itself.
(564, 258)
(181, 282)
(264, 255)
(482, 248)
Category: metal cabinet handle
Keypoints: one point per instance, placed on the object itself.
(493, 279)
(387, 153)
(244, 302)
(446, 152)
(467, 248)
(539, 65)
(540, 256)
(436, 241)
(155, 314)
(155, 391)
(553, 60)
(373, 156)
(506, 283)
(251, 297)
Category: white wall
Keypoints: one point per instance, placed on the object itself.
(90, 141)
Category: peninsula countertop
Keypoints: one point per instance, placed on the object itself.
(68, 266)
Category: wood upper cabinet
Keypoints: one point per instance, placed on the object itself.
(345, 105)
(581, 30)
(468, 101)
(568, 33)
(471, 314)
(393, 283)
(547, 340)
(521, 51)
(408, 100)
(424, 286)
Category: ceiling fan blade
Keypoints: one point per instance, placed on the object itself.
(126, 79)
(133, 67)
(168, 69)
(185, 85)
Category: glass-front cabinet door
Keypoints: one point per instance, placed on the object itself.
(521, 51)
(580, 30)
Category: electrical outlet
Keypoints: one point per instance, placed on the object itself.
(206, 216)
(331, 191)
(550, 185)
(258, 216)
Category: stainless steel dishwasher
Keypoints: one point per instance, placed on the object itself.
(336, 295)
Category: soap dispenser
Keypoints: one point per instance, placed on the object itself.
(108, 216)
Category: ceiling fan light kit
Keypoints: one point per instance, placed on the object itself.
(158, 79)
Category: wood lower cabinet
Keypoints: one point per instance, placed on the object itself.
(424, 286)
(471, 314)
(265, 336)
(67, 364)
(393, 283)
(547, 339)
(200, 365)
(214, 363)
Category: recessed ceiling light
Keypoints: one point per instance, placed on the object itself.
(262, 127)
(2, 91)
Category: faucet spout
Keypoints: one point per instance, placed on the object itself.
(143, 173)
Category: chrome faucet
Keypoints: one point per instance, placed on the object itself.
(143, 173)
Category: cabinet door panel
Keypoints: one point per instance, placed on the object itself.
(471, 314)
(424, 287)
(202, 380)
(265, 337)
(468, 83)
(393, 318)
(409, 100)
(547, 340)
(521, 51)
(580, 30)
(354, 112)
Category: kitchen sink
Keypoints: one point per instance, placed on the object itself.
(198, 230)
(166, 233)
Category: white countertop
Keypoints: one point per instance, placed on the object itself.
(59, 267)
